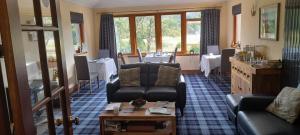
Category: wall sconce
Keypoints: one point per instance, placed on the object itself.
(253, 8)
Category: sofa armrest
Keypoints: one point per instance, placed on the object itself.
(111, 88)
(181, 92)
(255, 103)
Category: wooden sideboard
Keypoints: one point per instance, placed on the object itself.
(254, 79)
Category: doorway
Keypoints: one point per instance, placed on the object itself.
(37, 80)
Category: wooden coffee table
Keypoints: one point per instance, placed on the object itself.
(141, 114)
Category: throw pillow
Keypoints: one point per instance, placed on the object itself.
(167, 76)
(129, 77)
(286, 105)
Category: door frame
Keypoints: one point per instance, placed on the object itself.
(19, 95)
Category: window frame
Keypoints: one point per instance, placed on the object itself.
(81, 36)
(158, 30)
(235, 29)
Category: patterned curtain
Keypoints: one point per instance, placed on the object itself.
(210, 29)
(291, 50)
(107, 35)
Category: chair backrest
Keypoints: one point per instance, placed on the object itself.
(148, 71)
(82, 68)
(104, 53)
(225, 64)
(174, 55)
(140, 55)
(121, 57)
(213, 49)
(171, 59)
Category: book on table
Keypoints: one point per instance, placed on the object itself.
(159, 110)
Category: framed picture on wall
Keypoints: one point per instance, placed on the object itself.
(269, 22)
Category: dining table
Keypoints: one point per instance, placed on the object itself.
(209, 62)
(157, 57)
(105, 67)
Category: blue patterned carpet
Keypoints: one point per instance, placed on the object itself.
(205, 112)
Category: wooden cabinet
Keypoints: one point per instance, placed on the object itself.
(254, 79)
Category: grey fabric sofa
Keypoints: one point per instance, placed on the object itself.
(252, 119)
(147, 89)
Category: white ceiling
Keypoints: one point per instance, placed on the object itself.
(133, 3)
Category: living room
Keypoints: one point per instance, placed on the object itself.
(211, 67)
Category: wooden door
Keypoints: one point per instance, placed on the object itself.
(36, 69)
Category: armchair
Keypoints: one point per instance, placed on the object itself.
(252, 119)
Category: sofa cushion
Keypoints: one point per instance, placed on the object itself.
(287, 104)
(167, 76)
(264, 123)
(161, 94)
(126, 94)
(130, 77)
(153, 71)
(143, 72)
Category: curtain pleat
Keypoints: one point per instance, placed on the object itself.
(210, 29)
(237, 9)
(291, 50)
(107, 35)
(76, 17)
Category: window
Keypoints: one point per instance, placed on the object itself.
(77, 32)
(122, 34)
(238, 22)
(237, 14)
(171, 32)
(76, 35)
(145, 33)
(153, 32)
(193, 32)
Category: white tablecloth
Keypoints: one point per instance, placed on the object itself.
(156, 58)
(209, 62)
(105, 67)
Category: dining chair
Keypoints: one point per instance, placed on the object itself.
(225, 67)
(123, 58)
(140, 55)
(171, 59)
(83, 73)
(174, 55)
(214, 49)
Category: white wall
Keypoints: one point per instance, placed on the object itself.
(250, 27)
(88, 18)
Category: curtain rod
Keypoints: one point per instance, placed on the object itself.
(158, 10)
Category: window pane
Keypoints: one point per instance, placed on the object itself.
(46, 12)
(145, 33)
(171, 32)
(193, 36)
(26, 12)
(193, 15)
(122, 34)
(41, 121)
(238, 27)
(33, 66)
(76, 35)
(57, 111)
(52, 61)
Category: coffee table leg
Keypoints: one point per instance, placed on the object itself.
(174, 126)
